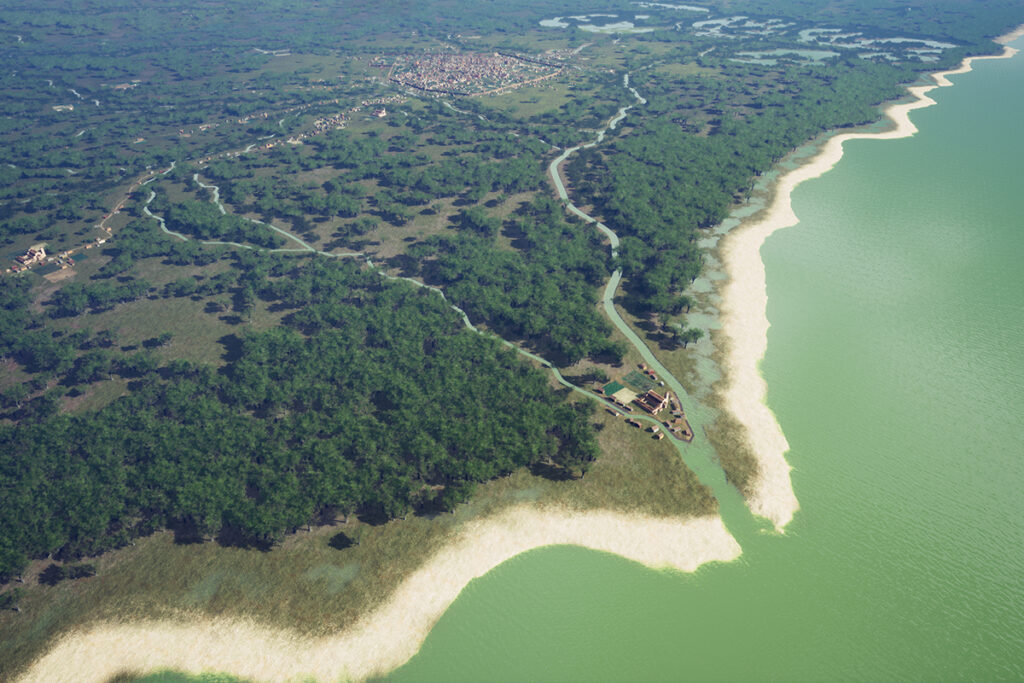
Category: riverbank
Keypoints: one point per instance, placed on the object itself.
(392, 633)
(654, 527)
(744, 301)
(318, 583)
(268, 649)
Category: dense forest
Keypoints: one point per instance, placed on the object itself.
(203, 221)
(542, 292)
(363, 394)
(660, 186)
(372, 397)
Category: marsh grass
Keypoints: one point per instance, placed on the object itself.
(175, 677)
(727, 437)
(306, 584)
(732, 449)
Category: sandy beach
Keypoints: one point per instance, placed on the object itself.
(744, 301)
(390, 635)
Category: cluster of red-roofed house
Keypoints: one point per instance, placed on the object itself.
(652, 403)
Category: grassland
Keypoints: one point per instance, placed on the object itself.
(322, 578)
(312, 583)
(532, 100)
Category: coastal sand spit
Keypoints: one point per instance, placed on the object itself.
(744, 301)
(390, 635)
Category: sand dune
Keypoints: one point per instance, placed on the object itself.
(387, 637)
(744, 299)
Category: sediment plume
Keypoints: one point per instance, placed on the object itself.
(744, 301)
(390, 635)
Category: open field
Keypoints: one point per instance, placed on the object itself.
(531, 100)
(199, 333)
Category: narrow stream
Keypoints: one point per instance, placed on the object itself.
(698, 456)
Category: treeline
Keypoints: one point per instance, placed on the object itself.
(204, 221)
(661, 185)
(142, 239)
(48, 355)
(23, 339)
(372, 398)
(74, 299)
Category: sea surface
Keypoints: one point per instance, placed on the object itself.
(895, 365)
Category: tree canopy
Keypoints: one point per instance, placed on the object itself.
(371, 397)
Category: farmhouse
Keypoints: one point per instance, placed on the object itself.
(652, 402)
(34, 255)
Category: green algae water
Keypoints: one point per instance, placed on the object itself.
(894, 366)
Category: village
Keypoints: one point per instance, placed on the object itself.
(468, 73)
(637, 390)
(338, 121)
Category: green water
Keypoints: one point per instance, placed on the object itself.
(894, 365)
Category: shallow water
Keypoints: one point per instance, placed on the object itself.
(894, 366)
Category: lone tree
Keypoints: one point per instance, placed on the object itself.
(681, 303)
(9, 600)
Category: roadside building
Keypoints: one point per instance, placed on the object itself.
(652, 402)
(35, 254)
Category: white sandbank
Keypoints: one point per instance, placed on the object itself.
(391, 634)
(744, 300)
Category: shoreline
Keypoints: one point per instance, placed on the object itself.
(391, 634)
(744, 298)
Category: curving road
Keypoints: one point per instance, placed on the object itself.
(306, 247)
(553, 169)
(700, 459)
(608, 298)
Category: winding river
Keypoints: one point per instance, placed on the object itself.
(698, 455)
(893, 364)
(897, 307)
